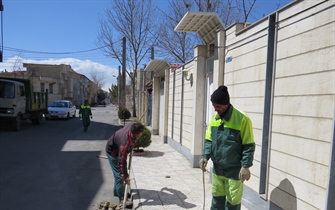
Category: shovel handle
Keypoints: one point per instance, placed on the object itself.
(125, 196)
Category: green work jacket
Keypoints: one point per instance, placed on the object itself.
(85, 111)
(229, 142)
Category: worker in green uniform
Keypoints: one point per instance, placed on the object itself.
(229, 142)
(85, 114)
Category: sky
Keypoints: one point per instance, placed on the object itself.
(66, 31)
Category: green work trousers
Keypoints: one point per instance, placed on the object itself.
(86, 122)
(227, 193)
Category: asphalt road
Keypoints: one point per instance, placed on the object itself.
(54, 165)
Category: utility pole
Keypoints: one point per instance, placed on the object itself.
(1, 51)
(123, 95)
(124, 78)
(119, 85)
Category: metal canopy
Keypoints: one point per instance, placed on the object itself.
(204, 23)
(157, 66)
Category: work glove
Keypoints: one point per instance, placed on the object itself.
(244, 174)
(203, 164)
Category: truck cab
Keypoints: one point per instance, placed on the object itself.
(18, 102)
(12, 98)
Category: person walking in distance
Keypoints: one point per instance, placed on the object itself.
(85, 114)
(118, 146)
(229, 143)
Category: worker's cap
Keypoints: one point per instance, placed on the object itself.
(221, 96)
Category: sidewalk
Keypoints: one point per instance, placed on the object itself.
(162, 178)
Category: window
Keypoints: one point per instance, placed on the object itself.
(42, 87)
(20, 91)
(7, 90)
(51, 89)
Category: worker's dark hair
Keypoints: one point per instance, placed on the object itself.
(137, 128)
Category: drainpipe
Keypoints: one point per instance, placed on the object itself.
(268, 105)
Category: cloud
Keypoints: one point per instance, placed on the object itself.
(85, 67)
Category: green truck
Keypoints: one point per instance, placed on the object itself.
(19, 102)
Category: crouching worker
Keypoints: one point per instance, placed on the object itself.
(229, 142)
(118, 146)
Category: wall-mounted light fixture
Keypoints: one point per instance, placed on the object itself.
(188, 77)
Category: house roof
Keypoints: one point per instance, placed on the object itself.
(205, 24)
(157, 66)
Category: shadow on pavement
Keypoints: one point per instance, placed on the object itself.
(53, 165)
(166, 196)
(149, 154)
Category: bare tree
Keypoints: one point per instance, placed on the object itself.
(18, 63)
(230, 11)
(247, 8)
(175, 46)
(178, 46)
(134, 20)
(98, 81)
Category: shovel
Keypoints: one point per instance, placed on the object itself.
(125, 197)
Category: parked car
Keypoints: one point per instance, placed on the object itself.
(61, 109)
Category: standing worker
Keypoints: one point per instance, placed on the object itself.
(118, 146)
(229, 142)
(85, 113)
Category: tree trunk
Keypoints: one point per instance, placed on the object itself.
(134, 99)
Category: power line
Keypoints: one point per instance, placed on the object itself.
(55, 53)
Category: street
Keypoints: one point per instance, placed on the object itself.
(55, 166)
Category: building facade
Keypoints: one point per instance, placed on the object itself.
(60, 81)
(281, 72)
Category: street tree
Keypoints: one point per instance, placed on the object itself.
(98, 81)
(175, 46)
(136, 21)
(114, 93)
(178, 46)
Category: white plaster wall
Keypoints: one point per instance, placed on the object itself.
(188, 109)
(177, 105)
(185, 112)
(303, 104)
(245, 79)
(171, 101)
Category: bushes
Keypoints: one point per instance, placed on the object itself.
(124, 113)
(144, 140)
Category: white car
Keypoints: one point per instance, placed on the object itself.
(61, 109)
